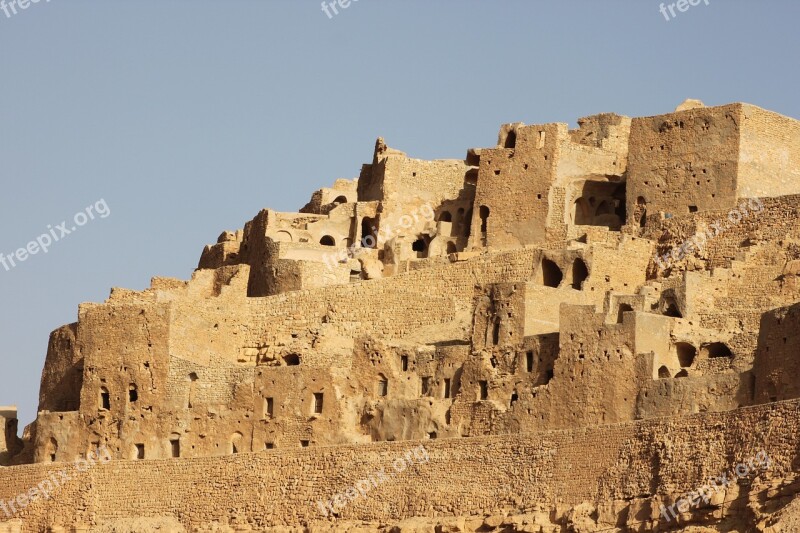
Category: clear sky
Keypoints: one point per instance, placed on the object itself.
(188, 116)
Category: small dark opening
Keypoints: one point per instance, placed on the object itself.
(623, 308)
(418, 245)
(718, 349)
(383, 387)
(447, 388)
(548, 376)
(468, 224)
(511, 140)
(529, 361)
(327, 240)
(446, 217)
(304, 443)
(175, 445)
(432, 435)
(693, 209)
(484, 214)
(340, 200)
(318, 399)
(292, 359)
(426, 386)
(514, 398)
(140, 451)
(579, 274)
(496, 333)
(133, 394)
(682, 374)
(663, 372)
(269, 445)
(105, 399)
(551, 274)
(404, 362)
(269, 407)
(672, 309)
(484, 389)
(686, 354)
(641, 211)
(368, 239)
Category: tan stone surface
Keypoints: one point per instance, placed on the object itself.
(533, 315)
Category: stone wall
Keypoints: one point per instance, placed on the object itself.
(627, 470)
(685, 161)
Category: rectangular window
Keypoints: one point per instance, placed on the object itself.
(404, 362)
(269, 406)
(426, 381)
(446, 388)
(175, 445)
(304, 443)
(484, 390)
(140, 451)
(269, 445)
(318, 402)
(529, 357)
(105, 399)
(383, 388)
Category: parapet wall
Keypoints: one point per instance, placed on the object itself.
(638, 465)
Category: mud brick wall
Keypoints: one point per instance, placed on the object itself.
(607, 464)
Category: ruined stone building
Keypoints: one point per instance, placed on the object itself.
(580, 325)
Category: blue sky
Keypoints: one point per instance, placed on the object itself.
(188, 116)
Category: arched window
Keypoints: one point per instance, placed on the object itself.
(484, 213)
(383, 385)
(717, 349)
(445, 217)
(327, 240)
(51, 450)
(671, 308)
(133, 393)
(236, 443)
(686, 353)
(579, 273)
(368, 238)
(551, 274)
(581, 214)
(340, 200)
(663, 372)
(605, 208)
